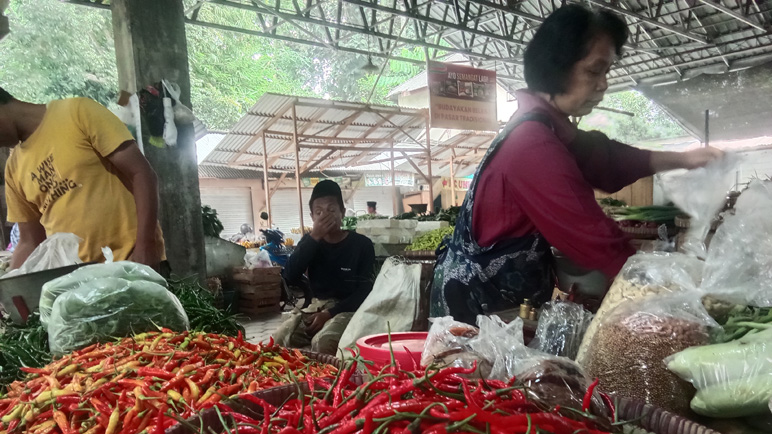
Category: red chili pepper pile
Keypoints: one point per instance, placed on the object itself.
(438, 402)
(138, 383)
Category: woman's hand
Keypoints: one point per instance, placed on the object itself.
(663, 161)
(701, 157)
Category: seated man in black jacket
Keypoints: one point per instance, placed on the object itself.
(340, 268)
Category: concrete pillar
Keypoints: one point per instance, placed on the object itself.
(150, 45)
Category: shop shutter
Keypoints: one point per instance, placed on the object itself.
(233, 205)
(284, 207)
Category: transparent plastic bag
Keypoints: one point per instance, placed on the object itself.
(732, 379)
(126, 270)
(110, 307)
(645, 275)
(561, 327)
(737, 268)
(392, 305)
(502, 345)
(261, 259)
(628, 351)
(58, 250)
(449, 343)
(701, 193)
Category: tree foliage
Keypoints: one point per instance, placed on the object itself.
(57, 50)
(650, 121)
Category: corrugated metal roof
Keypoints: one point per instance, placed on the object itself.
(224, 172)
(330, 133)
(670, 40)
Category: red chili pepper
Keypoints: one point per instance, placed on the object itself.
(154, 372)
(588, 396)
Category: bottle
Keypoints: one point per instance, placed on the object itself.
(525, 309)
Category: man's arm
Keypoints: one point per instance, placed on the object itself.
(31, 234)
(300, 259)
(142, 181)
(365, 277)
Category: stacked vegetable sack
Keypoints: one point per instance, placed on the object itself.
(146, 383)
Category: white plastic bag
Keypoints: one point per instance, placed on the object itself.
(391, 306)
(58, 250)
(261, 259)
(701, 193)
(126, 270)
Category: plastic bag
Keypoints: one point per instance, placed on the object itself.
(732, 379)
(130, 271)
(392, 305)
(493, 346)
(629, 348)
(645, 275)
(561, 327)
(701, 193)
(737, 268)
(261, 259)
(106, 308)
(58, 250)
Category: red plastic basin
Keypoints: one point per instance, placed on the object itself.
(407, 347)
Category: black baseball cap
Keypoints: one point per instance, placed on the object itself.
(327, 188)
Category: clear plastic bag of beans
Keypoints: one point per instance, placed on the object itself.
(627, 353)
(645, 275)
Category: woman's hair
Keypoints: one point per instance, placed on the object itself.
(564, 39)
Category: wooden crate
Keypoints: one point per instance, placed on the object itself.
(270, 275)
(259, 298)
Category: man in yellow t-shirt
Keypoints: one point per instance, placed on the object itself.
(76, 168)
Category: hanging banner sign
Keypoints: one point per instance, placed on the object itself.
(343, 182)
(460, 183)
(378, 180)
(462, 97)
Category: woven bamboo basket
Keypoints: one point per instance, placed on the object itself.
(645, 416)
(658, 420)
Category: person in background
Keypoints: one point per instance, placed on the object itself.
(14, 238)
(76, 168)
(340, 266)
(534, 188)
(371, 208)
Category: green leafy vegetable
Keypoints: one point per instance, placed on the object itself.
(430, 240)
(653, 213)
(198, 303)
(22, 346)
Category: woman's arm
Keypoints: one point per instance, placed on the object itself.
(664, 161)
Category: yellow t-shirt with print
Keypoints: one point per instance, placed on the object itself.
(61, 177)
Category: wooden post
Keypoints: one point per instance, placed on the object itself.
(150, 45)
(394, 195)
(297, 167)
(429, 165)
(266, 186)
(452, 181)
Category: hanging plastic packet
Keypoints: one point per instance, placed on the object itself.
(701, 193)
(737, 268)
